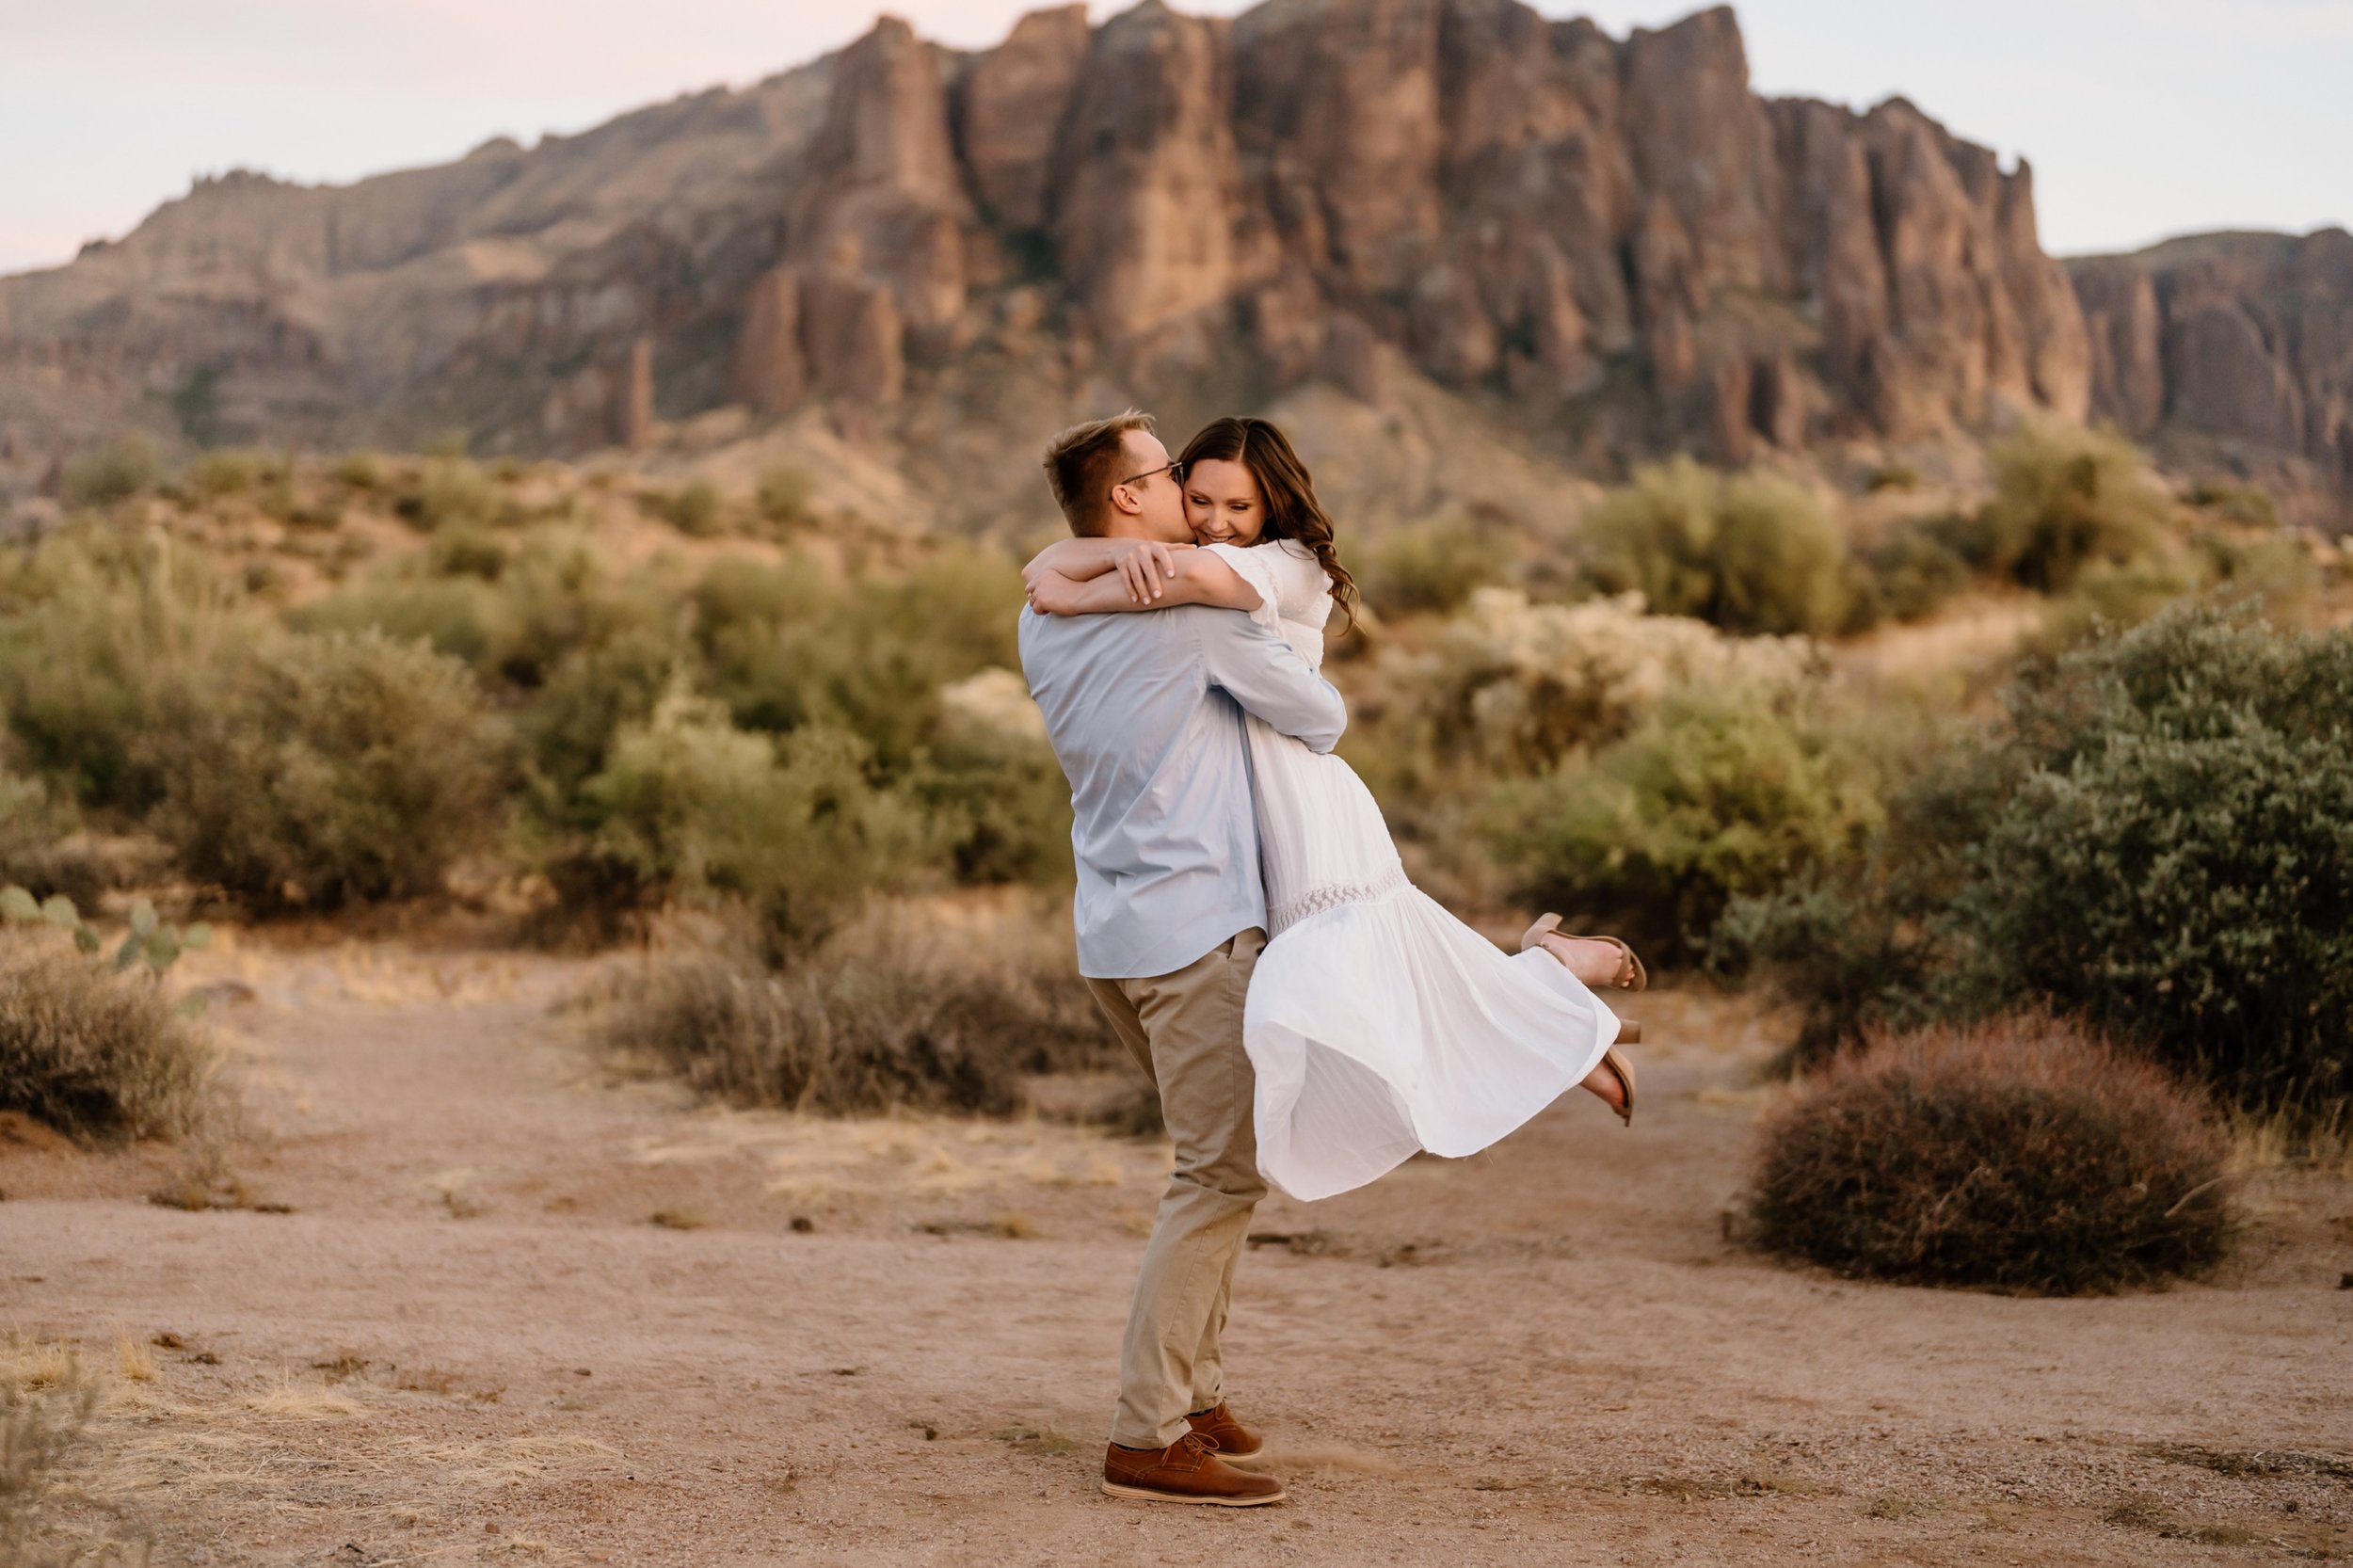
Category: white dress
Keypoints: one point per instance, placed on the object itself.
(1378, 1023)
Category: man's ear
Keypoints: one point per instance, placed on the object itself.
(1125, 500)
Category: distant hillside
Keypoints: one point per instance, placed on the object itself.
(2234, 347)
(1512, 235)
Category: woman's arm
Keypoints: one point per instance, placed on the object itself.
(1145, 565)
(1199, 578)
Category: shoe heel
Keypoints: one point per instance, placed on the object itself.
(1625, 1070)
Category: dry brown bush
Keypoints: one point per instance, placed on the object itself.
(2022, 1154)
(893, 1013)
(96, 1054)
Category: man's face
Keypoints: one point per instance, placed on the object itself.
(1157, 502)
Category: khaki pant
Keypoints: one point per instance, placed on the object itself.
(1185, 1031)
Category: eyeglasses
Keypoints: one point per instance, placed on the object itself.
(1173, 468)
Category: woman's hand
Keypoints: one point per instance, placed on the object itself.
(1144, 565)
(1052, 594)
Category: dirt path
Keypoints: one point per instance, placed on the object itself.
(892, 1342)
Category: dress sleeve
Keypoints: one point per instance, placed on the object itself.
(1260, 567)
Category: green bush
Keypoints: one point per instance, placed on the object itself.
(226, 470)
(1747, 553)
(2157, 838)
(330, 768)
(94, 1053)
(32, 819)
(360, 471)
(688, 805)
(993, 783)
(2246, 504)
(2175, 862)
(1711, 798)
(1433, 566)
(788, 644)
(1907, 576)
(550, 596)
(569, 725)
(698, 511)
(99, 636)
(2020, 1153)
(783, 498)
(2065, 499)
(116, 472)
(452, 492)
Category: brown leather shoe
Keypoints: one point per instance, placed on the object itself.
(1233, 1439)
(1187, 1471)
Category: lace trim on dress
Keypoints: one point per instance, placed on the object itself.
(1333, 895)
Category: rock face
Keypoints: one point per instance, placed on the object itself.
(2243, 340)
(1610, 241)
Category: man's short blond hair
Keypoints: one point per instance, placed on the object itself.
(1081, 467)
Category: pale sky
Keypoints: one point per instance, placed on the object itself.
(2144, 118)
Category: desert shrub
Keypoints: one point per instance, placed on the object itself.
(2156, 837)
(32, 819)
(330, 768)
(2020, 1153)
(1710, 798)
(783, 497)
(1860, 940)
(1513, 688)
(699, 510)
(452, 492)
(2275, 568)
(462, 616)
(99, 636)
(1435, 565)
(2175, 861)
(792, 643)
(1906, 576)
(868, 1025)
(550, 596)
(993, 784)
(569, 725)
(226, 470)
(2246, 504)
(688, 805)
(360, 471)
(93, 1053)
(1747, 553)
(2065, 499)
(466, 552)
(1895, 475)
(115, 471)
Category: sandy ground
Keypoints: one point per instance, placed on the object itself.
(892, 1342)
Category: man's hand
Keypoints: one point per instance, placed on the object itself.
(1144, 566)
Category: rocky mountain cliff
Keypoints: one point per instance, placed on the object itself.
(1603, 246)
(2233, 346)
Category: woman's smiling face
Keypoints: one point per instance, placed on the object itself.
(1222, 503)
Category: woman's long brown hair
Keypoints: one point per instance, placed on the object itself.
(1292, 511)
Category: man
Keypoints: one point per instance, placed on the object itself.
(1145, 716)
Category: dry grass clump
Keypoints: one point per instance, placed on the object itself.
(894, 1014)
(95, 1054)
(48, 1398)
(2021, 1154)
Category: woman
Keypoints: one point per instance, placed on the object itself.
(1378, 1024)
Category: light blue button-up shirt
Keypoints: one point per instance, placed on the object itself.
(1142, 710)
